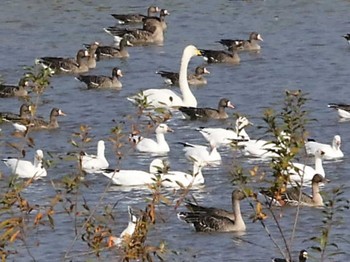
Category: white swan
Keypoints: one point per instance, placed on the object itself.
(202, 155)
(152, 146)
(166, 97)
(225, 136)
(27, 169)
(330, 151)
(135, 177)
(94, 163)
(300, 172)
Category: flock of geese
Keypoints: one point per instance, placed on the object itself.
(152, 32)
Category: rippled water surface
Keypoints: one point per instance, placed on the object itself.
(302, 49)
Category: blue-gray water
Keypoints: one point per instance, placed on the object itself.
(302, 49)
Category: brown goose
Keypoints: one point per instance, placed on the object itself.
(150, 34)
(220, 56)
(157, 21)
(106, 51)
(194, 113)
(216, 221)
(291, 196)
(66, 65)
(38, 123)
(248, 45)
(91, 59)
(303, 256)
(94, 81)
(14, 90)
(24, 113)
(197, 78)
(135, 18)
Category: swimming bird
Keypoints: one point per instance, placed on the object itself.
(252, 44)
(106, 51)
(303, 255)
(343, 109)
(206, 113)
(38, 123)
(26, 169)
(291, 196)
(135, 17)
(211, 220)
(152, 146)
(129, 177)
(332, 151)
(221, 56)
(100, 81)
(157, 21)
(24, 113)
(202, 155)
(95, 163)
(91, 59)
(19, 90)
(300, 172)
(168, 98)
(347, 38)
(225, 136)
(172, 78)
(66, 65)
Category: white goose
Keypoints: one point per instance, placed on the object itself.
(135, 177)
(202, 155)
(94, 163)
(168, 98)
(27, 169)
(225, 136)
(152, 146)
(299, 172)
(330, 151)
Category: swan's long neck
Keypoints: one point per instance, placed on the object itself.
(316, 196)
(187, 96)
(319, 167)
(237, 210)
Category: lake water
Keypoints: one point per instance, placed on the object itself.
(302, 49)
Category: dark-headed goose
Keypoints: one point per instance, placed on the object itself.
(99, 81)
(248, 45)
(206, 113)
(347, 38)
(135, 17)
(221, 56)
(332, 151)
(91, 59)
(38, 123)
(27, 169)
(172, 78)
(66, 65)
(106, 51)
(343, 109)
(206, 220)
(157, 21)
(24, 113)
(19, 90)
(168, 98)
(303, 256)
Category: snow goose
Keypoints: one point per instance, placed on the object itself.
(19, 90)
(152, 146)
(225, 136)
(166, 97)
(303, 256)
(172, 78)
(343, 109)
(203, 155)
(291, 196)
(127, 232)
(135, 177)
(66, 65)
(100, 81)
(135, 17)
(94, 163)
(221, 56)
(178, 179)
(26, 169)
(247, 45)
(207, 220)
(330, 151)
(205, 113)
(303, 173)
